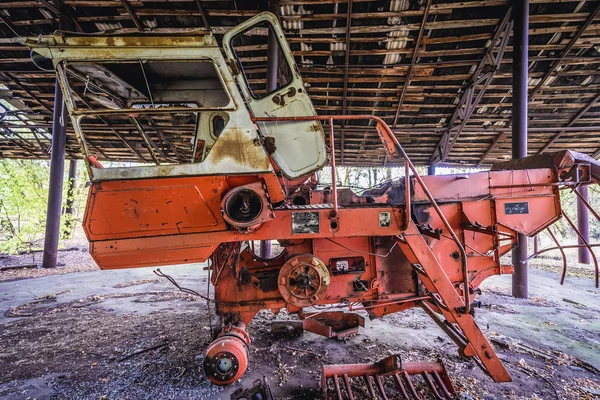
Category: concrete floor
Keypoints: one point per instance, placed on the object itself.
(69, 348)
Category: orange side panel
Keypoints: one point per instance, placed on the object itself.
(153, 207)
(278, 228)
(132, 258)
(157, 207)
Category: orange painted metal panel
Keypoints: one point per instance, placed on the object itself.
(158, 256)
(453, 187)
(540, 213)
(280, 227)
(152, 211)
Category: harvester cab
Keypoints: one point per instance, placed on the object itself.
(209, 151)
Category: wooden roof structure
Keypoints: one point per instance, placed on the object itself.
(437, 71)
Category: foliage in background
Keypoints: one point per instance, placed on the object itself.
(24, 200)
(569, 206)
(24, 193)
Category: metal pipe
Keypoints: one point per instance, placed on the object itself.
(57, 170)
(431, 170)
(589, 207)
(272, 54)
(583, 223)
(586, 244)
(562, 251)
(519, 128)
(407, 192)
(333, 177)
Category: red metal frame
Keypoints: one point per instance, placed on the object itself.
(394, 151)
(179, 220)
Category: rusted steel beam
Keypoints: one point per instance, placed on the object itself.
(16, 82)
(519, 129)
(565, 52)
(413, 61)
(573, 120)
(62, 12)
(6, 21)
(203, 14)
(133, 15)
(482, 77)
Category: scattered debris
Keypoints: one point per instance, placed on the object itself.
(297, 350)
(30, 309)
(557, 357)
(136, 353)
(575, 303)
(11, 267)
(287, 328)
(135, 283)
(53, 296)
(522, 365)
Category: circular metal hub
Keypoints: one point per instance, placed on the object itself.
(226, 360)
(303, 280)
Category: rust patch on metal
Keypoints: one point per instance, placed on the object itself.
(233, 145)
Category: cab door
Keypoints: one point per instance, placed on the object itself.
(276, 90)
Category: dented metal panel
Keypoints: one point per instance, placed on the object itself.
(299, 146)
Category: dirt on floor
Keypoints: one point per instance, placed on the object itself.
(82, 342)
(74, 256)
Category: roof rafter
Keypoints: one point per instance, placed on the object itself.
(565, 52)
(573, 120)
(472, 95)
(413, 61)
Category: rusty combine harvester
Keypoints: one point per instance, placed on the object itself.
(237, 163)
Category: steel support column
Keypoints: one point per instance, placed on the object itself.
(57, 170)
(272, 75)
(272, 54)
(519, 128)
(583, 225)
(431, 170)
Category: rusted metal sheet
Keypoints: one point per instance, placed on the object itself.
(337, 324)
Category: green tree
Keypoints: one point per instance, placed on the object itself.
(24, 200)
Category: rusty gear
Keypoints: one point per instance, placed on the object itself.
(303, 280)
